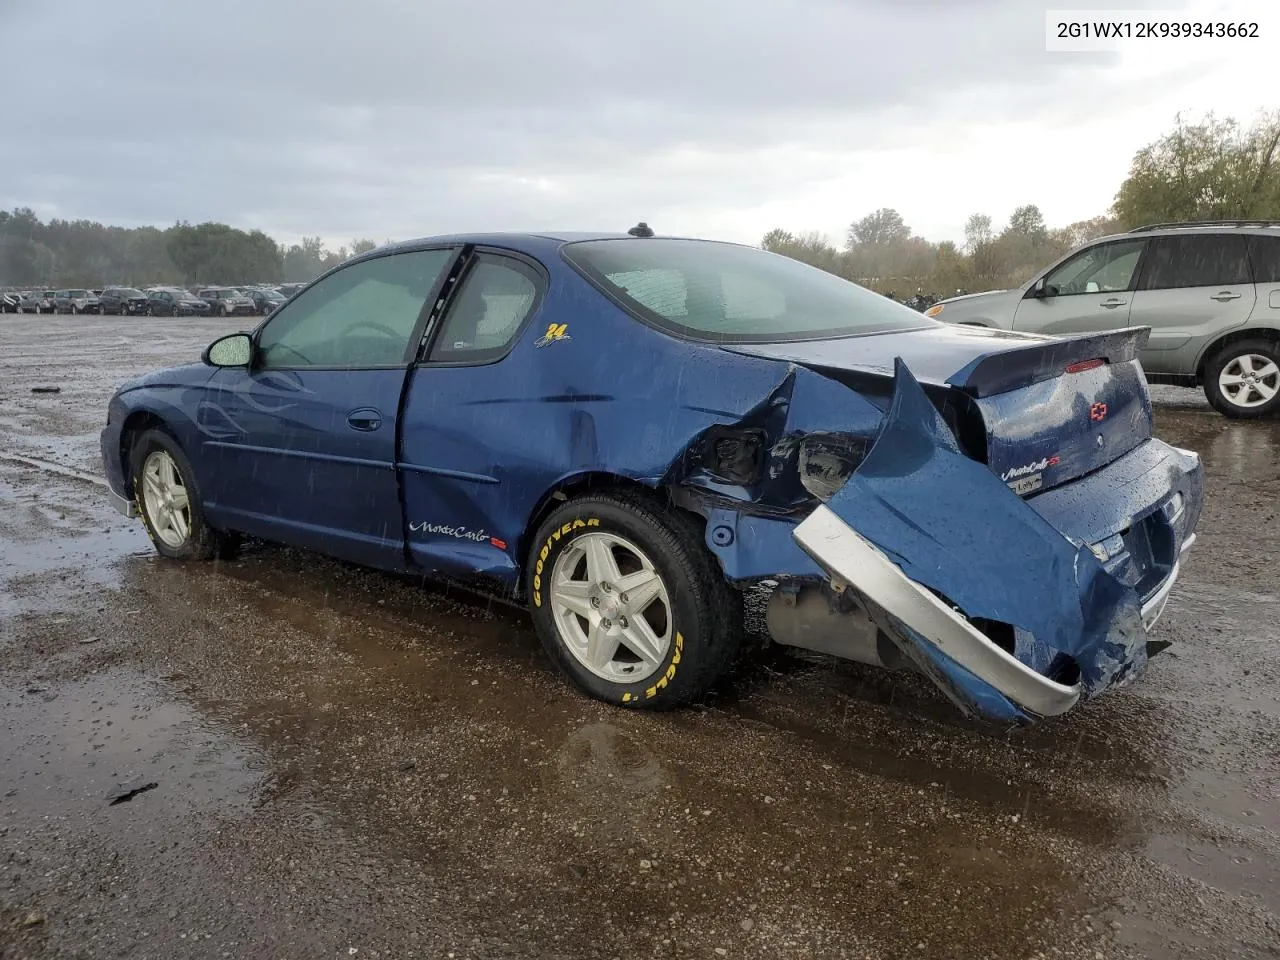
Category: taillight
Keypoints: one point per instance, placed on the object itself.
(1084, 365)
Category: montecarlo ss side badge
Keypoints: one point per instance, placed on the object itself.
(555, 333)
(1029, 477)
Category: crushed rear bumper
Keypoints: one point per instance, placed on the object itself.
(911, 615)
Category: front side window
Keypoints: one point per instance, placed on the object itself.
(1197, 260)
(496, 295)
(1106, 268)
(364, 315)
(722, 292)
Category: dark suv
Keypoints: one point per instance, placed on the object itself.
(123, 301)
(265, 299)
(227, 301)
(173, 302)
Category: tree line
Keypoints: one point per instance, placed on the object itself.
(1206, 170)
(83, 253)
(1211, 169)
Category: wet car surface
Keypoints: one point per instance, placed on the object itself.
(345, 760)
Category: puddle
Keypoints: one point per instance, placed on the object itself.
(69, 747)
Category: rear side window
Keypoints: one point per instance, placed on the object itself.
(496, 296)
(1265, 254)
(1197, 260)
(727, 293)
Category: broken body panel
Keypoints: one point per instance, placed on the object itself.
(1015, 606)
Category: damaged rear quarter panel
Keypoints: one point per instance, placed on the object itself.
(952, 526)
(612, 399)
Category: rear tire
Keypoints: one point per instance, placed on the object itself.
(1242, 381)
(664, 644)
(168, 498)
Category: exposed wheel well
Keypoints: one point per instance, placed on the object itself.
(134, 424)
(575, 486)
(1235, 336)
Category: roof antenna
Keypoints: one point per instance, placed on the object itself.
(641, 229)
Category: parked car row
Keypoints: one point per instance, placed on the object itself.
(160, 301)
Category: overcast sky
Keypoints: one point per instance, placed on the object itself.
(403, 118)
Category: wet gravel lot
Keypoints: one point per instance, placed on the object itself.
(283, 756)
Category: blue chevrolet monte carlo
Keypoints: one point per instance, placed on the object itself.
(626, 432)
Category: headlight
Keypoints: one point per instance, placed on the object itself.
(826, 463)
(934, 310)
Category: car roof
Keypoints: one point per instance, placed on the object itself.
(532, 243)
(1190, 227)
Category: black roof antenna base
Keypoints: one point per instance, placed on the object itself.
(641, 229)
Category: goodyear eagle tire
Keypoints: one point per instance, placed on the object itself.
(168, 498)
(629, 604)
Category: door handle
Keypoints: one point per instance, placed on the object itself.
(1113, 303)
(1224, 296)
(365, 419)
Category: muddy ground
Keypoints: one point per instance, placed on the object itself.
(346, 764)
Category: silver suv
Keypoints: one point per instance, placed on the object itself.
(1209, 291)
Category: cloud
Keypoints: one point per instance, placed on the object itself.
(398, 119)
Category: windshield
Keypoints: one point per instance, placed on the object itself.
(727, 293)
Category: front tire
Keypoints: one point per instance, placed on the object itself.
(629, 604)
(168, 498)
(1242, 381)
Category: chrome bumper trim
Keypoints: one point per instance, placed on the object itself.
(843, 552)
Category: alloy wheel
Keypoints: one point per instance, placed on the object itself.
(611, 607)
(1250, 380)
(165, 498)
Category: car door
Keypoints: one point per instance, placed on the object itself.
(464, 499)
(1194, 287)
(301, 446)
(1090, 291)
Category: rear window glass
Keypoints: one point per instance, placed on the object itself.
(703, 290)
(1197, 260)
(1265, 254)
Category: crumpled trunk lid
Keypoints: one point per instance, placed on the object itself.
(1057, 430)
(1039, 411)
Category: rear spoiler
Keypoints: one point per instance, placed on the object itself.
(1012, 369)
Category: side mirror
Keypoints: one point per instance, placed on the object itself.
(235, 350)
(1041, 290)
